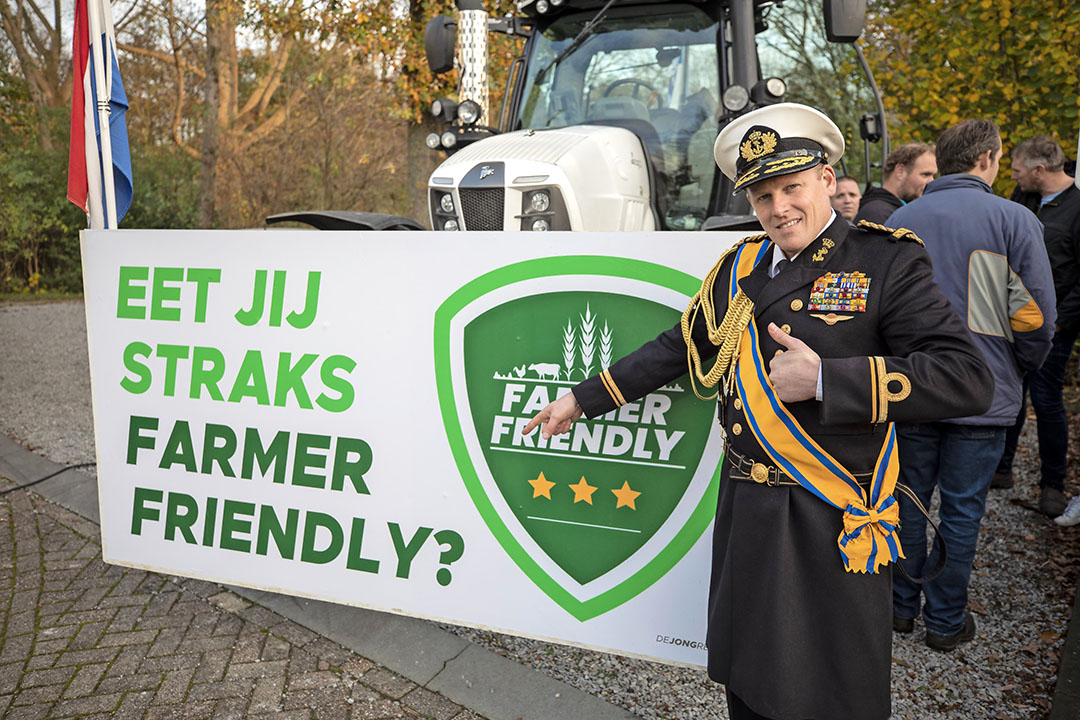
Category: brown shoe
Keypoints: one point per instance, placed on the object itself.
(1002, 480)
(1052, 502)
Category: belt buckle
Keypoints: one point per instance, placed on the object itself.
(759, 473)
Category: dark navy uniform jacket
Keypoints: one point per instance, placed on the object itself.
(790, 631)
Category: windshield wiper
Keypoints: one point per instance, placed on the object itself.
(589, 29)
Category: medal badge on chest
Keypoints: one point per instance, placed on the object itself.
(840, 292)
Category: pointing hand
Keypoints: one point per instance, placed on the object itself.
(557, 417)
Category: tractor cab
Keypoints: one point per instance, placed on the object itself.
(610, 113)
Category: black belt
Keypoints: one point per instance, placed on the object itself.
(746, 469)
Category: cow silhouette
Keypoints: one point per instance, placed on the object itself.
(546, 371)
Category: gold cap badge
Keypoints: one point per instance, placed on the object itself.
(758, 144)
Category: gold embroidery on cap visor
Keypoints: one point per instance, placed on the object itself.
(758, 144)
(778, 166)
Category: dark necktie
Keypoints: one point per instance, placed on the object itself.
(781, 266)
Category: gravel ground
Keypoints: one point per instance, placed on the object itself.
(1022, 588)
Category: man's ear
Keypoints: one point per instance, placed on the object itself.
(986, 159)
(828, 174)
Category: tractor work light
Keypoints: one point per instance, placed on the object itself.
(444, 109)
(542, 6)
(768, 91)
(448, 139)
(468, 112)
(432, 141)
(556, 3)
(776, 87)
(735, 98)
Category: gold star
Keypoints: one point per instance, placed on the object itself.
(583, 491)
(625, 496)
(542, 487)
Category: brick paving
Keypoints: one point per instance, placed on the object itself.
(80, 638)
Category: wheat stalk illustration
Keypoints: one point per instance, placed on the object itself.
(587, 345)
(568, 347)
(606, 347)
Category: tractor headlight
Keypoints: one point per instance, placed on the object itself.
(468, 112)
(448, 139)
(432, 141)
(450, 225)
(542, 6)
(446, 202)
(540, 201)
(543, 209)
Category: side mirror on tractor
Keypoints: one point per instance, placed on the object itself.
(439, 39)
(844, 20)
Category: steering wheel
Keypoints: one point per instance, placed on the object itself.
(654, 94)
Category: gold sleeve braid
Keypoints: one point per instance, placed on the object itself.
(726, 336)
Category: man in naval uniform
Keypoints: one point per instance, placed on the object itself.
(824, 334)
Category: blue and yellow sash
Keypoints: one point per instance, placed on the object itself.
(868, 540)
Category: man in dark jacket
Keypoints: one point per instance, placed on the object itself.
(991, 264)
(824, 335)
(1039, 171)
(908, 169)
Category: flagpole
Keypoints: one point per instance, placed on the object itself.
(95, 14)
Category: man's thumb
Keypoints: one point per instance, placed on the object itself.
(788, 341)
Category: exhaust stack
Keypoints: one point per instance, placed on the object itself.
(472, 54)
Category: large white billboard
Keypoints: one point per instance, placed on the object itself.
(337, 416)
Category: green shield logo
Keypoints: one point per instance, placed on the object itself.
(596, 516)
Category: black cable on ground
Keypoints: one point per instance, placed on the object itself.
(51, 475)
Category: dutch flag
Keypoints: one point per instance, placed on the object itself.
(104, 195)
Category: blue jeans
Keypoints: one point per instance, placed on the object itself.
(1045, 386)
(959, 460)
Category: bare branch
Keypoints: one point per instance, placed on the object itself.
(163, 56)
(273, 122)
(262, 93)
(129, 16)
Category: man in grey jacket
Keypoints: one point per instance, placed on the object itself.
(991, 263)
(1038, 167)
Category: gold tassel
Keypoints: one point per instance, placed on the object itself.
(740, 312)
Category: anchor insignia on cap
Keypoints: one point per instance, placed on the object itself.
(758, 144)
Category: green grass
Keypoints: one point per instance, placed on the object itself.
(34, 298)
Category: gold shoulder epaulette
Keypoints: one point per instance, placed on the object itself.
(735, 246)
(894, 233)
(752, 238)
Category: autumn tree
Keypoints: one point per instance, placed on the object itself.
(819, 73)
(1013, 61)
(392, 34)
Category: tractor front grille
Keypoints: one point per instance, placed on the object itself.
(483, 209)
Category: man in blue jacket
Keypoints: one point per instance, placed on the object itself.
(991, 263)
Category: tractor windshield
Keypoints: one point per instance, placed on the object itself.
(651, 70)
